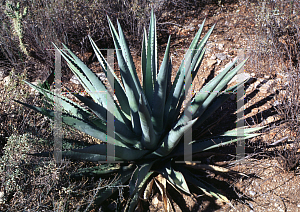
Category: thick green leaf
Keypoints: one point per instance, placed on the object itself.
(207, 188)
(93, 85)
(121, 151)
(151, 65)
(234, 132)
(174, 112)
(144, 58)
(87, 127)
(138, 176)
(119, 91)
(189, 65)
(131, 91)
(172, 101)
(97, 171)
(122, 127)
(203, 42)
(178, 84)
(160, 92)
(68, 105)
(171, 139)
(133, 201)
(218, 101)
(169, 76)
(77, 156)
(207, 144)
(128, 59)
(174, 177)
(197, 60)
(205, 92)
(149, 140)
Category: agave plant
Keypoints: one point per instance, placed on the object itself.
(149, 117)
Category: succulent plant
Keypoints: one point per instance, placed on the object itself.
(17, 17)
(148, 117)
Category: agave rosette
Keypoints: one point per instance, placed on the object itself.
(149, 121)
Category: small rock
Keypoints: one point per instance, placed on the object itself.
(240, 77)
(191, 28)
(265, 88)
(1, 197)
(221, 56)
(252, 193)
(276, 103)
(219, 202)
(75, 80)
(2, 74)
(32, 90)
(213, 57)
(210, 62)
(252, 74)
(298, 205)
(210, 45)
(220, 46)
(155, 201)
(6, 80)
(101, 76)
(267, 76)
(271, 119)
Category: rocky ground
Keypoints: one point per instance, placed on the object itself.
(269, 186)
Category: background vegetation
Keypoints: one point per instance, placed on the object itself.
(25, 42)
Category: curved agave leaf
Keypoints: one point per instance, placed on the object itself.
(119, 91)
(91, 83)
(222, 97)
(121, 128)
(121, 151)
(234, 132)
(68, 105)
(128, 58)
(151, 64)
(174, 177)
(138, 176)
(87, 78)
(216, 91)
(207, 144)
(204, 93)
(207, 188)
(183, 71)
(77, 156)
(103, 169)
(144, 59)
(149, 140)
(195, 65)
(161, 91)
(171, 140)
(133, 201)
(87, 127)
(131, 90)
